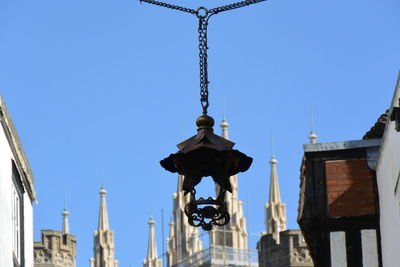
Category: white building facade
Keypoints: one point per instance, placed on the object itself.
(16, 196)
(388, 170)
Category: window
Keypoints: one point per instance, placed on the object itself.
(17, 217)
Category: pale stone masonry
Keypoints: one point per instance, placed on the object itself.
(234, 234)
(292, 250)
(103, 246)
(275, 210)
(279, 247)
(183, 241)
(152, 259)
(65, 226)
(55, 250)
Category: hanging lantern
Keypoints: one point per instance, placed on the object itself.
(207, 154)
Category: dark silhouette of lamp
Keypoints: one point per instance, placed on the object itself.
(207, 154)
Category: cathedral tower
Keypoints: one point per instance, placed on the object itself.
(152, 259)
(227, 244)
(103, 238)
(279, 247)
(183, 242)
(56, 249)
(234, 234)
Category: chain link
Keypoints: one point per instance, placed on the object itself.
(203, 23)
(234, 6)
(180, 8)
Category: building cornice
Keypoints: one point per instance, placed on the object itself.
(17, 150)
(342, 145)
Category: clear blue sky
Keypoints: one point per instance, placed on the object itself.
(113, 85)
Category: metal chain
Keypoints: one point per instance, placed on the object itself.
(203, 23)
(180, 8)
(234, 6)
(203, 14)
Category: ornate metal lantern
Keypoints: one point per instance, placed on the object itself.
(206, 154)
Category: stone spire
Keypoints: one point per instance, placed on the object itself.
(224, 128)
(103, 238)
(313, 137)
(183, 241)
(152, 259)
(275, 210)
(234, 234)
(103, 215)
(65, 225)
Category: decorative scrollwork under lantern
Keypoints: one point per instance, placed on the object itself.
(206, 154)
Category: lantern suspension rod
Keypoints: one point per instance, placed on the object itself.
(203, 14)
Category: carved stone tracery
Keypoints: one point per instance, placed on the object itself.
(56, 249)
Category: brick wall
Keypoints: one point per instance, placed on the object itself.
(350, 188)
